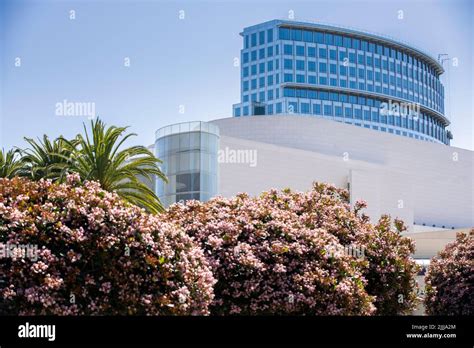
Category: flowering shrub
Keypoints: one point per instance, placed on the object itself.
(97, 255)
(450, 279)
(281, 253)
(391, 271)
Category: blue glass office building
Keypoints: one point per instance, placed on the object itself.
(349, 76)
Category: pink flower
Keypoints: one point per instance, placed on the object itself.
(39, 267)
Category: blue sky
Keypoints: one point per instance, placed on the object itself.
(188, 61)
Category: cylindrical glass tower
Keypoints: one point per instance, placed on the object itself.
(189, 154)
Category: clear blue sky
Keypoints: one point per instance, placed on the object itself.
(186, 61)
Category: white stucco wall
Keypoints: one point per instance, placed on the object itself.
(417, 181)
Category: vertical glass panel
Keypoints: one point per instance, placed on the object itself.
(205, 142)
(205, 160)
(195, 140)
(172, 164)
(194, 161)
(184, 141)
(183, 182)
(183, 162)
(174, 143)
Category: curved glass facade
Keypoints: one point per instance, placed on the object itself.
(189, 154)
(349, 76)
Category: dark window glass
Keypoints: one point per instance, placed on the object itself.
(305, 108)
(393, 53)
(187, 182)
(254, 39)
(377, 62)
(319, 38)
(270, 35)
(347, 42)
(328, 110)
(356, 44)
(352, 57)
(253, 55)
(269, 51)
(300, 51)
(284, 34)
(323, 53)
(297, 34)
(329, 39)
(322, 67)
(308, 36)
(261, 38)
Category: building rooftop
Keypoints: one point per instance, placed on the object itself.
(362, 34)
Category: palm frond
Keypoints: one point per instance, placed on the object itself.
(10, 163)
(99, 156)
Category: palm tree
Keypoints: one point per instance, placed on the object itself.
(10, 163)
(47, 159)
(98, 157)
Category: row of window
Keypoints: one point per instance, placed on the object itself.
(262, 82)
(261, 97)
(396, 87)
(422, 125)
(290, 92)
(356, 99)
(416, 96)
(263, 37)
(369, 61)
(427, 95)
(268, 52)
(430, 86)
(349, 42)
(351, 71)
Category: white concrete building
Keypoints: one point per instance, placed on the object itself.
(420, 182)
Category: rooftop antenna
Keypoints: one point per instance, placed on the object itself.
(442, 57)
